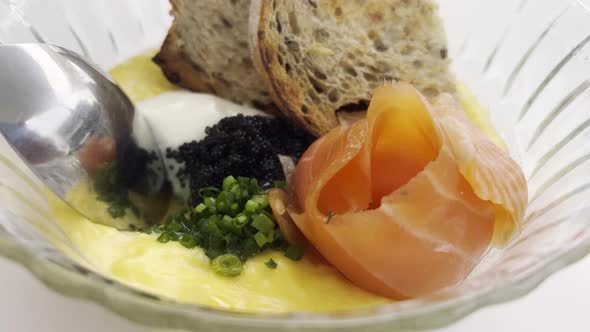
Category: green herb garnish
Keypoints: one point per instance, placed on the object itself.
(227, 265)
(329, 217)
(271, 264)
(294, 253)
(109, 190)
(236, 220)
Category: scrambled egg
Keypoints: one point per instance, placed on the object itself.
(174, 272)
(479, 115)
(169, 270)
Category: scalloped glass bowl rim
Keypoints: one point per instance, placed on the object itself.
(416, 315)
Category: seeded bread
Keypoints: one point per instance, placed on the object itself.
(318, 57)
(206, 50)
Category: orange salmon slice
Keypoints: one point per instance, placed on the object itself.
(406, 201)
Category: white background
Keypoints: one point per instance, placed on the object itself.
(561, 304)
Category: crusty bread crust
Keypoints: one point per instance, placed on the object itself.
(177, 69)
(180, 69)
(174, 65)
(263, 45)
(310, 79)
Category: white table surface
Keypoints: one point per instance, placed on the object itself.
(562, 303)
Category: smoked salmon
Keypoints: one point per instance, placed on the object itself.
(406, 201)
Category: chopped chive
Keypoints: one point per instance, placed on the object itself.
(188, 241)
(209, 202)
(263, 223)
(294, 253)
(208, 192)
(229, 182)
(252, 206)
(200, 208)
(235, 221)
(243, 181)
(261, 239)
(241, 219)
(271, 264)
(234, 208)
(329, 217)
(164, 237)
(227, 265)
(174, 226)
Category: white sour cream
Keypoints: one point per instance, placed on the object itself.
(179, 117)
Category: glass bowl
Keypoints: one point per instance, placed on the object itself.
(526, 61)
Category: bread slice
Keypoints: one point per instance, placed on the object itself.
(318, 57)
(206, 50)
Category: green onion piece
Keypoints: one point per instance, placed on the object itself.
(294, 253)
(224, 201)
(329, 217)
(271, 264)
(235, 189)
(229, 182)
(164, 237)
(227, 223)
(188, 241)
(234, 208)
(209, 202)
(243, 181)
(249, 248)
(227, 265)
(174, 226)
(263, 223)
(208, 192)
(261, 239)
(262, 200)
(241, 220)
(200, 208)
(252, 206)
(253, 186)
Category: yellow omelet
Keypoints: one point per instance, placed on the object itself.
(171, 271)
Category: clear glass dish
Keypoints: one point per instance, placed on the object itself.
(526, 61)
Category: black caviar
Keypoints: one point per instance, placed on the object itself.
(241, 146)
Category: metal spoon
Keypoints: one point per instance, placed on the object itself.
(73, 126)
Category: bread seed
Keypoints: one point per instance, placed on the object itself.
(314, 98)
(279, 26)
(379, 46)
(317, 85)
(333, 96)
(292, 45)
(317, 73)
(293, 23)
(226, 23)
(369, 77)
(350, 71)
(320, 35)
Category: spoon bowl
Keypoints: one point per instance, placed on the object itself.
(73, 126)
